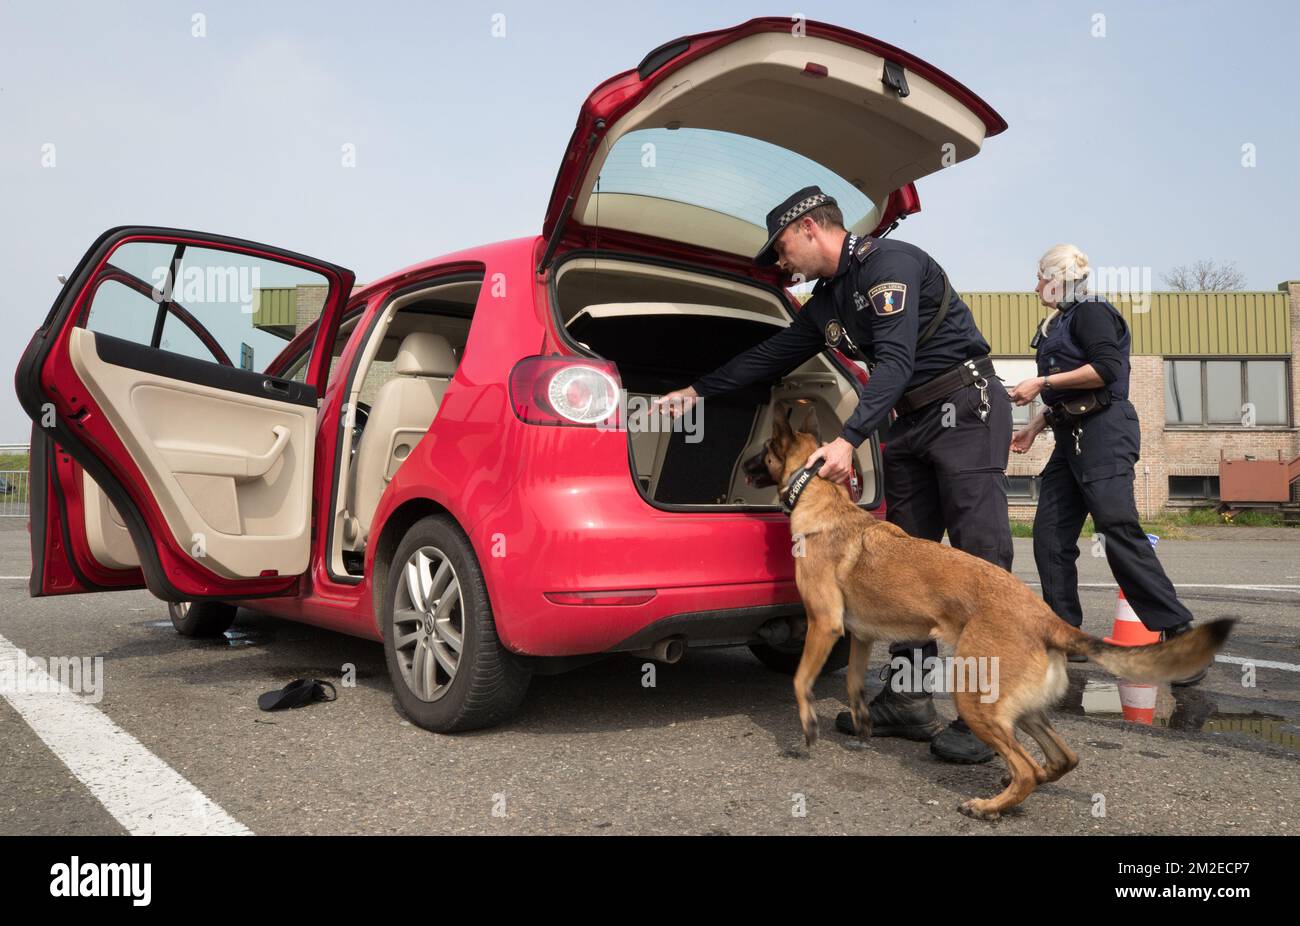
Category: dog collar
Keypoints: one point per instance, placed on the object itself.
(798, 482)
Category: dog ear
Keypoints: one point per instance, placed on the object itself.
(781, 423)
(810, 424)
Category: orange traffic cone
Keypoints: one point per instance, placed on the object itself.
(1138, 702)
(1128, 629)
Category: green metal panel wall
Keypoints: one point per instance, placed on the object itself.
(1166, 324)
(275, 307)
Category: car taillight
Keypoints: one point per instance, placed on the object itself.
(564, 391)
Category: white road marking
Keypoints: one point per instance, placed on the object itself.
(1295, 589)
(1261, 663)
(1234, 660)
(1259, 586)
(24, 578)
(142, 792)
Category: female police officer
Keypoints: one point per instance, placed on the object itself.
(1083, 367)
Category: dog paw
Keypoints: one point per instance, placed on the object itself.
(807, 719)
(810, 731)
(975, 809)
(861, 723)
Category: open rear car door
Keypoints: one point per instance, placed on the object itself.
(161, 454)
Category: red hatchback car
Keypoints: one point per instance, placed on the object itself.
(458, 459)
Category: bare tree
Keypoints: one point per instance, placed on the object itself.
(1206, 276)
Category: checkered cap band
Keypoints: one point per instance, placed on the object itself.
(799, 208)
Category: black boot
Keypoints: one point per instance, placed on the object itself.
(1177, 632)
(910, 715)
(958, 744)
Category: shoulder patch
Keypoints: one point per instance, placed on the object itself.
(888, 298)
(865, 249)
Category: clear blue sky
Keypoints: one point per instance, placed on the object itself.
(1128, 145)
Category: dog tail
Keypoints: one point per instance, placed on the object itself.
(1170, 660)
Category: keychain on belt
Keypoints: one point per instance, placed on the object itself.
(1078, 432)
(982, 384)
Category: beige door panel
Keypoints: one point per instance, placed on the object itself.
(106, 534)
(231, 472)
(204, 461)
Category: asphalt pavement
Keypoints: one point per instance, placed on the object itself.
(713, 747)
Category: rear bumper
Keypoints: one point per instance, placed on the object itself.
(706, 615)
(578, 534)
(726, 627)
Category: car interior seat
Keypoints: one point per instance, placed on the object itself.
(402, 412)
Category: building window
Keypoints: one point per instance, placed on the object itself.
(1022, 489)
(1012, 371)
(1224, 393)
(1266, 386)
(1193, 488)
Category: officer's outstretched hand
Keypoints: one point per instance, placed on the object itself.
(676, 403)
(838, 455)
(1023, 439)
(1026, 390)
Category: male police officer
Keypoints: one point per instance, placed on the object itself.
(889, 304)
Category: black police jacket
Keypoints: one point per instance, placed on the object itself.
(881, 297)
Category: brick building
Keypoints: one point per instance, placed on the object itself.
(1211, 373)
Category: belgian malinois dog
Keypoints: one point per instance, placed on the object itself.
(867, 577)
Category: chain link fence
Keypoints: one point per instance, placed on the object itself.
(14, 480)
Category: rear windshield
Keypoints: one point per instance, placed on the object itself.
(732, 174)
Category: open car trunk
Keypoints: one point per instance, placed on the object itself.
(664, 328)
(711, 130)
(684, 155)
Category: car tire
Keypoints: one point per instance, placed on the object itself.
(785, 658)
(438, 687)
(201, 618)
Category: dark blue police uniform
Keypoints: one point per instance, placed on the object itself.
(945, 458)
(1091, 469)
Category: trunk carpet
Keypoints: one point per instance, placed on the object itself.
(700, 473)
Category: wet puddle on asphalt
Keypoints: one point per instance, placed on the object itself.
(1183, 709)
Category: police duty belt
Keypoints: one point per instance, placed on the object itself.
(969, 372)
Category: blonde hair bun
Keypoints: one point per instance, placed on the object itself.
(1067, 265)
(1065, 262)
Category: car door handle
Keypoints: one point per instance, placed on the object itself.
(278, 389)
(260, 465)
(239, 466)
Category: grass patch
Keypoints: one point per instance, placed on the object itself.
(1174, 525)
(1255, 519)
(13, 470)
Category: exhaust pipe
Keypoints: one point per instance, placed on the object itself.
(668, 650)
